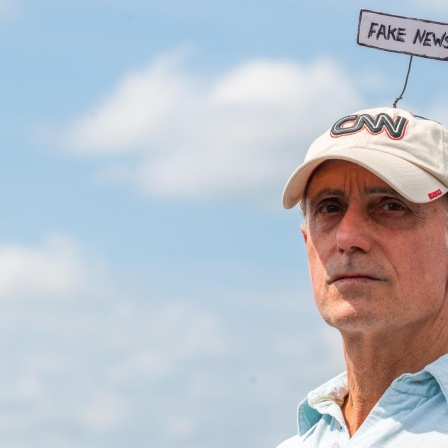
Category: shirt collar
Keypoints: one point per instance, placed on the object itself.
(327, 399)
(439, 370)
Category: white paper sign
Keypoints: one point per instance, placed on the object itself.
(403, 35)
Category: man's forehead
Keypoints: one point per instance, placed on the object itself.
(330, 178)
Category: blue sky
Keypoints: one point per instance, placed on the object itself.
(154, 293)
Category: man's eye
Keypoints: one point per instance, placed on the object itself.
(330, 208)
(392, 206)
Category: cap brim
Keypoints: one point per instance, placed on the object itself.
(412, 182)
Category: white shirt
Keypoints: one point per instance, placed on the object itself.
(413, 412)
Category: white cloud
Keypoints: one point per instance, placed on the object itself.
(105, 365)
(54, 269)
(95, 363)
(9, 8)
(134, 113)
(104, 412)
(238, 135)
(173, 335)
(105, 375)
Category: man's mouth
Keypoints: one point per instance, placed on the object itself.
(352, 277)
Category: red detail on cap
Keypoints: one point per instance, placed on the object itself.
(435, 194)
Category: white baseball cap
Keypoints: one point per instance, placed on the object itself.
(408, 152)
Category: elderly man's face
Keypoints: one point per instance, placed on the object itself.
(377, 261)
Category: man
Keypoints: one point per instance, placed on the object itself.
(372, 190)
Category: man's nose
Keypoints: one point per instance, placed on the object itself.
(353, 231)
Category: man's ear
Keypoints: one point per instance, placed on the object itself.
(304, 232)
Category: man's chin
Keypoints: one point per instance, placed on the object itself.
(353, 319)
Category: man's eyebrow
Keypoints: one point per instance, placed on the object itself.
(382, 190)
(325, 192)
(330, 192)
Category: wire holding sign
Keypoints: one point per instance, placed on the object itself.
(405, 85)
